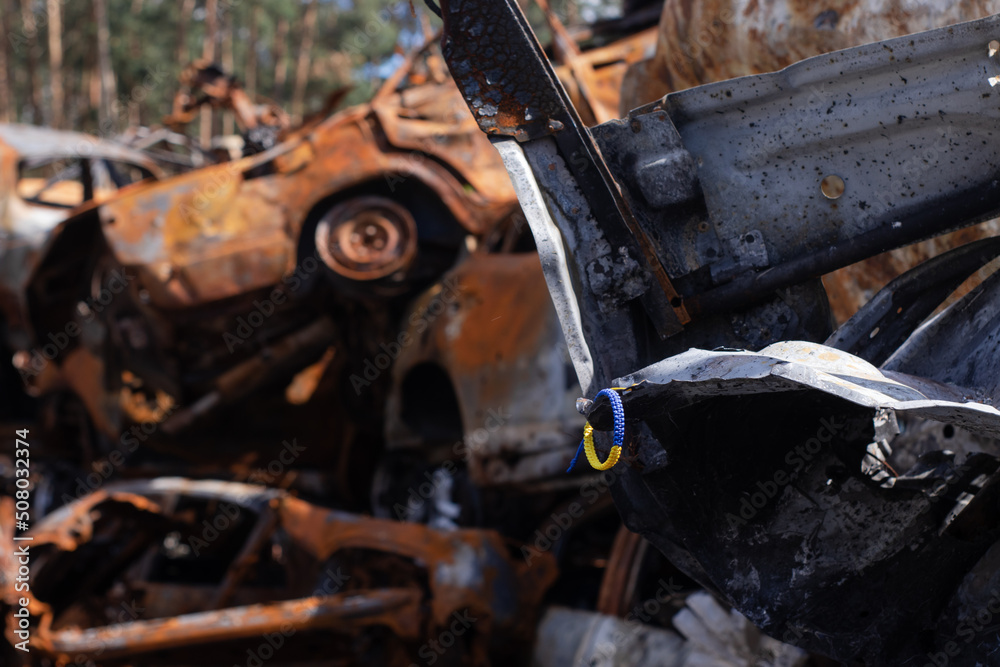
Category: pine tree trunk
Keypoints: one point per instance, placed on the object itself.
(94, 89)
(56, 64)
(306, 36)
(29, 28)
(208, 53)
(76, 76)
(280, 60)
(134, 48)
(228, 64)
(251, 63)
(7, 105)
(211, 29)
(183, 55)
(106, 75)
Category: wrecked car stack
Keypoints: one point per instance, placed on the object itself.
(705, 220)
(367, 282)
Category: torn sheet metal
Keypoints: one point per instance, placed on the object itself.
(891, 316)
(685, 379)
(778, 490)
(959, 346)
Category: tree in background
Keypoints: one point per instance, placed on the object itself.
(101, 66)
(6, 82)
(302, 65)
(105, 73)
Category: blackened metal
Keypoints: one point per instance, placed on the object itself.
(960, 346)
(885, 322)
(512, 91)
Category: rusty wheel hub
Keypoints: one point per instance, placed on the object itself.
(367, 238)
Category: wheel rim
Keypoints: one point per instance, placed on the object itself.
(367, 238)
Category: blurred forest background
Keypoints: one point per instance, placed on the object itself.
(102, 66)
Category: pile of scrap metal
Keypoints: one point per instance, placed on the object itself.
(205, 84)
(179, 303)
(367, 285)
(839, 488)
(187, 295)
(175, 571)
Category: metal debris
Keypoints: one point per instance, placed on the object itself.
(272, 564)
(768, 476)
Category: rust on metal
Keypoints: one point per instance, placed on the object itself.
(397, 609)
(204, 83)
(367, 238)
(363, 573)
(498, 341)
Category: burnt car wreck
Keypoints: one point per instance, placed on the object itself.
(704, 221)
(283, 568)
(427, 297)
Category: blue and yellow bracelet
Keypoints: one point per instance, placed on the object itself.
(587, 444)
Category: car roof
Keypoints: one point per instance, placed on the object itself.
(33, 142)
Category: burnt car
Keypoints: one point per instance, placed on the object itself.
(423, 370)
(45, 175)
(182, 298)
(182, 284)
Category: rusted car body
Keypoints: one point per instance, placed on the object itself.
(490, 372)
(246, 563)
(178, 571)
(405, 178)
(359, 213)
(44, 175)
(705, 42)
